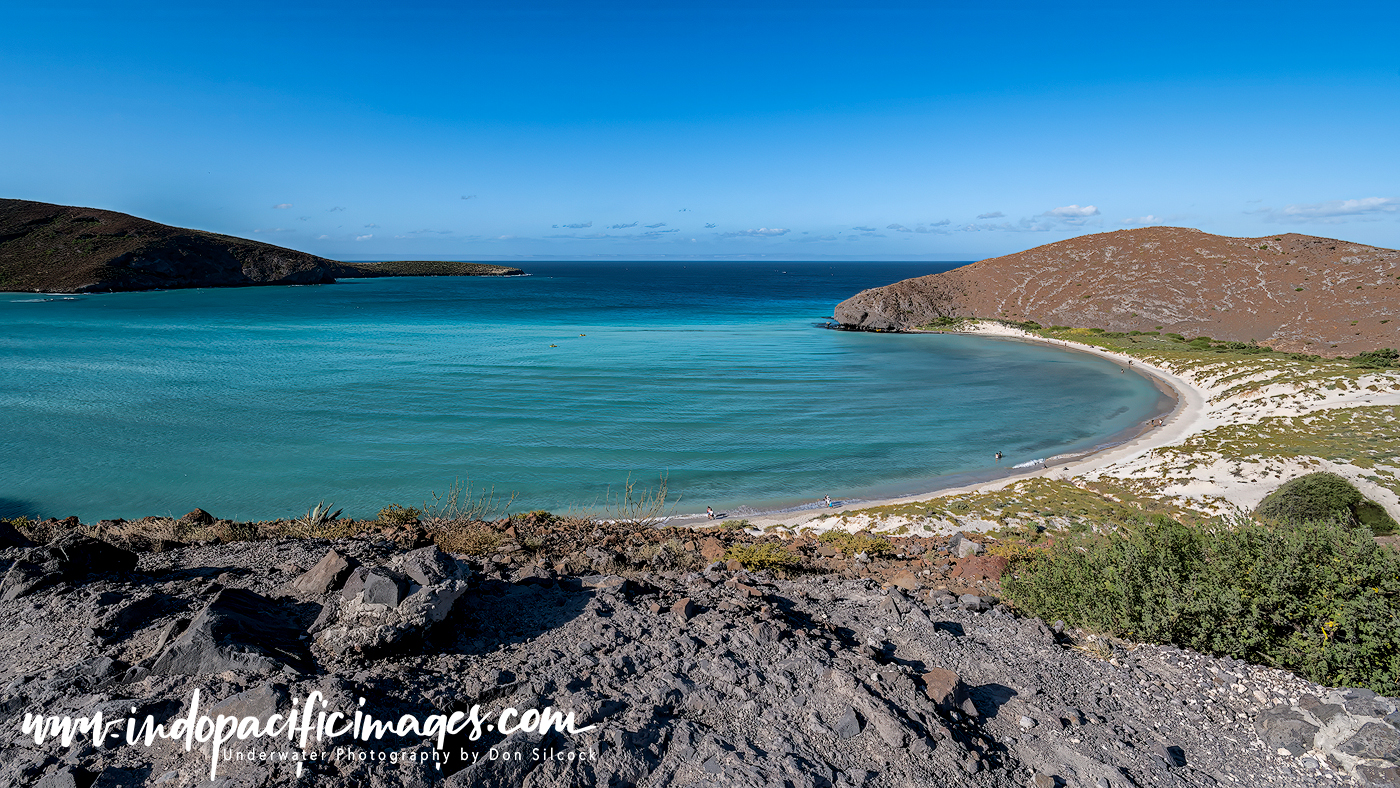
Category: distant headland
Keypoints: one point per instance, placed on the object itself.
(1296, 293)
(66, 249)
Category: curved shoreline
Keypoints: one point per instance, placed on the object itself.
(1182, 420)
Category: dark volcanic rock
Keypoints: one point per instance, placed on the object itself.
(324, 577)
(237, 630)
(71, 558)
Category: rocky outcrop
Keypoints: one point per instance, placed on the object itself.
(697, 674)
(69, 558)
(1293, 292)
(63, 249)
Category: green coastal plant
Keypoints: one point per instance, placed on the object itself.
(1324, 496)
(861, 542)
(1319, 598)
(393, 514)
(764, 555)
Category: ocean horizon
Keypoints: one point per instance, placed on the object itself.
(554, 388)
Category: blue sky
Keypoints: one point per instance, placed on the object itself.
(792, 130)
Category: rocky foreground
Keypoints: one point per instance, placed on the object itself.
(902, 670)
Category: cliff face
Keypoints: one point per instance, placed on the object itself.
(62, 249)
(1294, 292)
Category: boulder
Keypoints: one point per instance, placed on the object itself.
(382, 609)
(327, 575)
(711, 549)
(962, 547)
(71, 557)
(198, 517)
(237, 630)
(979, 567)
(945, 688)
(1281, 728)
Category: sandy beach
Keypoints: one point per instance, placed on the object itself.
(1205, 399)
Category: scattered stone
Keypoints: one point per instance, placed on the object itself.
(326, 576)
(683, 609)
(198, 517)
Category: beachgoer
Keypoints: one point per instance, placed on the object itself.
(998, 455)
(827, 501)
(710, 513)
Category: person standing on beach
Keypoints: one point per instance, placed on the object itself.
(827, 501)
(709, 513)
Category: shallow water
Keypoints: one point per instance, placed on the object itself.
(259, 402)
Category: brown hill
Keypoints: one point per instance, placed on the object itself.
(1294, 292)
(63, 249)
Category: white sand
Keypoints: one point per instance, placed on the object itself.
(1215, 485)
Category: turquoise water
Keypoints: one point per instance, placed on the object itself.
(259, 402)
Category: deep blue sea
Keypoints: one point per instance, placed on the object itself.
(255, 403)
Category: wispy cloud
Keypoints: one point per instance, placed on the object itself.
(322, 237)
(657, 233)
(1334, 211)
(364, 237)
(710, 226)
(761, 232)
(579, 226)
(899, 228)
(303, 218)
(1022, 226)
(469, 196)
(992, 215)
(282, 206)
(864, 229)
(371, 226)
(417, 233)
(275, 230)
(1144, 221)
(622, 226)
(654, 226)
(1073, 215)
(336, 208)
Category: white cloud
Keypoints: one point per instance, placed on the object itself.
(1335, 211)
(364, 237)
(371, 226)
(336, 208)
(579, 226)
(283, 206)
(469, 196)
(1072, 212)
(275, 230)
(992, 215)
(710, 226)
(761, 232)
(322, 237)
(864, 229)
(1144, 221)
(899, 228)
(622, 226)
(1074, 215)
(654, 226)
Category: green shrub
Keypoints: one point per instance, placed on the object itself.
(862, 542)
(1324, 496)
(1317, 598)
(765, 555)
(393, 514)
(1377, 359)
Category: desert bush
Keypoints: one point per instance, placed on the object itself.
(460, 504)
(1316, 598)
(1377, 359)
(764, 555)
(393, 514)
(1324, 496)
(470, 538)
(862, 542)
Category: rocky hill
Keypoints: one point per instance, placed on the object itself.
(893, 670)
(62, 249)
(1296, 293)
